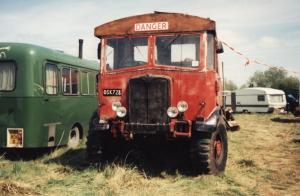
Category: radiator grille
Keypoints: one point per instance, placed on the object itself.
(148, 100)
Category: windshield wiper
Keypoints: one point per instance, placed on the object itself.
(173, 40)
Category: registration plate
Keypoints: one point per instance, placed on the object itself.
(112, 92)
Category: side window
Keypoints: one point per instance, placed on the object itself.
(92, 83)
(70, 81)
(88, 83)
(51, 79)
(74, 81)
(66, 80)
(7, 76)
(260, 98)
(110, 58)
(84, 83)
(210, 58)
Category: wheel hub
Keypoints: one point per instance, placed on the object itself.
(218, 147)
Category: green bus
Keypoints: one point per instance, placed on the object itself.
(46, 97)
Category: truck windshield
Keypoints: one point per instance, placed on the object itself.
(7, 76)
(178, 50)
(126, 52)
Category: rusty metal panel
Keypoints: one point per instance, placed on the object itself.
(157, 22)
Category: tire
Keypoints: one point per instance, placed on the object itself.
(94, 144)
(74, 138)
(101, 146)
(94, 147)
(208, 150)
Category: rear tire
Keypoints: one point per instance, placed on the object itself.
(208, 150)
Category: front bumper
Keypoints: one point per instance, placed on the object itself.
(175, 128)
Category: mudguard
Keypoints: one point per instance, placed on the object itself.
(210, 124)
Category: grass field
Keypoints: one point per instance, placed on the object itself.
(264, 159)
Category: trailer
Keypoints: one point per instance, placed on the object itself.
(257, 99)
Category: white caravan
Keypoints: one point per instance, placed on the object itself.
(255, 99)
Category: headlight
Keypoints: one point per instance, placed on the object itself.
(121, 112)
(182, 106)
(172, 112)
(116, 105)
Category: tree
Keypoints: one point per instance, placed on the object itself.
(276, 78)
(230, 85)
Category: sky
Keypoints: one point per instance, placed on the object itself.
(264, 30)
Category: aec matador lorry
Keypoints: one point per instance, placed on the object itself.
(159, 78)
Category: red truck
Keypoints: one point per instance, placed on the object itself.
(160, 77)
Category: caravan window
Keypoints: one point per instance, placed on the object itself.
(260, 97)
(276, 98)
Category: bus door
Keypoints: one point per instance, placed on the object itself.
(52, 110)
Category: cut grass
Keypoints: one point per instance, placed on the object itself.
(263, 160)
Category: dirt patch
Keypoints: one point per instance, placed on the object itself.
(11, 188)
(246, 163)
(296, 141)
(63, 170)
(286, 120)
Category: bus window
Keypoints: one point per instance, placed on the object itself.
(210, 60)
(7, 76)
(179, 50)
(74, 77)
(51, 79)
(70, 81)
(92, 84)
(84, 83)
(88, 83)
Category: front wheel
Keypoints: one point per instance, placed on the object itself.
(208, 150)
(94, 143)
(94, 147)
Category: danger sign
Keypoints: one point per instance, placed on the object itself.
(151, 26)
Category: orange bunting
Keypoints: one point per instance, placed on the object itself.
(249, 61)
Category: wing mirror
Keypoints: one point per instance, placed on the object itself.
(99, 50)
(219, 47)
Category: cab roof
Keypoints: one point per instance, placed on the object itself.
(157, 22)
